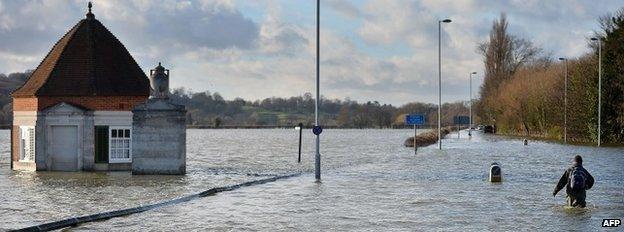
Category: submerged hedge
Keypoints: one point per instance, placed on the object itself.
(427, 138)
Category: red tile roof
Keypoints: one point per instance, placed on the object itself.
(88, 61)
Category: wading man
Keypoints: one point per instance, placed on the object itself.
(576, 180)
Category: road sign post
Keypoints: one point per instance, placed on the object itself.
(415, 133)
(415, 119)
(460, 120)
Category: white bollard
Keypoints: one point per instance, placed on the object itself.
(496, 174)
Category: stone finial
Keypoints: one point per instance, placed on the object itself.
(159, 82)
(89, 14)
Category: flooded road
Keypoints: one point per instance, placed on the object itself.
(370, 182)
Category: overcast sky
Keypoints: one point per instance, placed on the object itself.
(383, 50)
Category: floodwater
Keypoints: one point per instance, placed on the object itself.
(370, 182)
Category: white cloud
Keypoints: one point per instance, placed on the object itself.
(378, 50)
(279, 38)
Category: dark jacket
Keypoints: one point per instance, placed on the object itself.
(564, 181)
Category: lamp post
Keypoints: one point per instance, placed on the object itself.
(565, 101)
(470, 126)
(599, 83)
(317, 158)
(440, 80)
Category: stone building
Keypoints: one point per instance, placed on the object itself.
(75, 111)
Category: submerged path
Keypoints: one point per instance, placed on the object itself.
(370, 182)
(128, 211)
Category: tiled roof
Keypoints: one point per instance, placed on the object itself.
(88, 61)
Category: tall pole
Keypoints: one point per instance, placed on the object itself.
(439, 85)
(599, 83)
(565, 100)
(317, 160)
(440, 81)
(565, 105)
(599, 87)
(470, 126)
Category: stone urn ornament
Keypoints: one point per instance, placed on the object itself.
(159, 82)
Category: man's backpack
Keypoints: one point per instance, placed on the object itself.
(577, 179)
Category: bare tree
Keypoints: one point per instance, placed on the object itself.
(503, 54)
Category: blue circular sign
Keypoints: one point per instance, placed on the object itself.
(317, 130)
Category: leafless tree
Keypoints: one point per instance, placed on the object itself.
(503, 54)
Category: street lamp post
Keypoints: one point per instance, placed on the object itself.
(470, 126)
(440, 80)
(599, 83)
(565, 102)
(317, 158)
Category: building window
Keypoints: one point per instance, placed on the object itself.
(120, 145)
(27, 143)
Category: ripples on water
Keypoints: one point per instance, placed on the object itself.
(370, 182)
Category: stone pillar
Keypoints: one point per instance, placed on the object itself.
(159, 138)
(159, 131)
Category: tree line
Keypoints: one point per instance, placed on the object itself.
(209, 110)
(524, 87)
(8, 83)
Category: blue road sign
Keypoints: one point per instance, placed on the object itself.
(317, 130)
(461, 120)
(415, 119)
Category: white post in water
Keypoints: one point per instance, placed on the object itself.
(440, 81)
(599, 83)
(317, 161)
